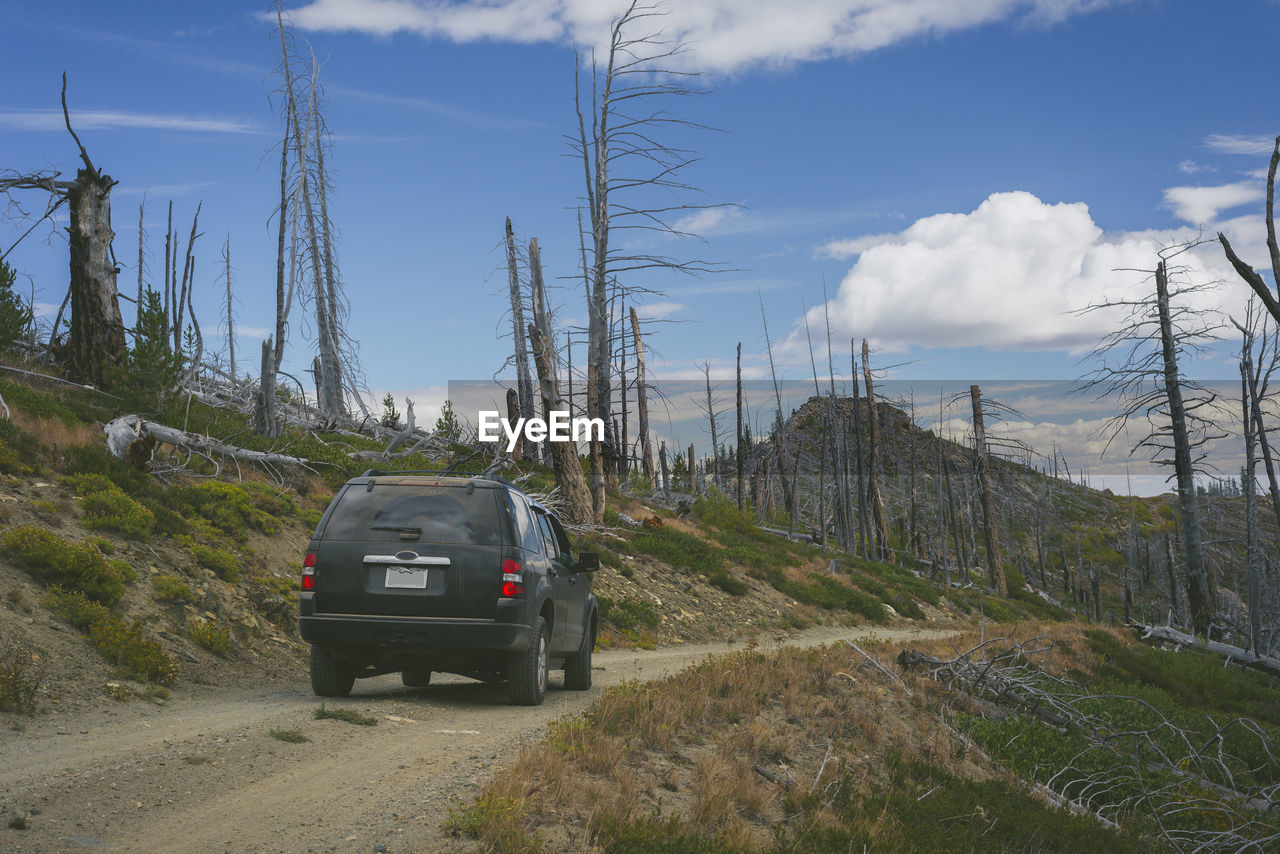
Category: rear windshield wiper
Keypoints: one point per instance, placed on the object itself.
(403, 529)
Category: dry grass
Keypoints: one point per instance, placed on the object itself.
(53, 433)
(677, 759)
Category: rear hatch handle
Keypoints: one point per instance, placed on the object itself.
(396, 560)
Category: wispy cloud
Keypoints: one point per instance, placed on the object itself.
(1198, 205)
(448, 111)
(1190, 167)
(1237, 144)
(660, 310)
(722, 35)
(52, 120)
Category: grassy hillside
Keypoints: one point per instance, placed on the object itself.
(817, 750)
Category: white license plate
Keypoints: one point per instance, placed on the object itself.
(406, 578)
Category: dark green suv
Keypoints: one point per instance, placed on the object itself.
(415, 572)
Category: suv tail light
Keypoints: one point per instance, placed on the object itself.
(309, 571)
(512, 578)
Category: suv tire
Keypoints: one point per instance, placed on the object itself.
(415, 678)
(527, 684)
(330, 677)
(577, 667)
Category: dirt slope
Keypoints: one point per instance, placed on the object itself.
(204, 773)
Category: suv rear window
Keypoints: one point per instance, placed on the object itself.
(436, 514)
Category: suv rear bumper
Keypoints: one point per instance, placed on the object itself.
(428, 633)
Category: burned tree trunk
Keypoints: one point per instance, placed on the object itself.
(564, 455)
(264, 413)
(740, 450)
(989, 535)
(642, 400)
(524, 384)
(96, 345)
(874, 499)
(1199, 590)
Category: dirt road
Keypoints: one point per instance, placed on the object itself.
(205, 773)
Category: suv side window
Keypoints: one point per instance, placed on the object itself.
(562, 539)
(526, 529)
(548, 536)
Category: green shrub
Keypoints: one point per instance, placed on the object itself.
(225, 564)
(123, 644)
(20, 680)
(89, 483)
(15, 313)
(226, 506)
(628, 613)
(115, 511)
(678, 549)
(727, 583)
(499, 823)
(214, 637)
(94, 459)
(170, 588)
(824, 591)
(19, 451)
(76, 566)
(153, 367)
(37, 404)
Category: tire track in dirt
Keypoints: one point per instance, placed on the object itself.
(206, 774)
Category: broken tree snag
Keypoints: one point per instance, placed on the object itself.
(96, 345)
(264, 410)
(994, 565)
(874, 498)
(642, 401)
(1268, 664)
(513, 414)
(124, 431)
(564, 455)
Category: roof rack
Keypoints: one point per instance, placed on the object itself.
(438, 473)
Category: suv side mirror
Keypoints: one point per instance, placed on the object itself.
(588, 562)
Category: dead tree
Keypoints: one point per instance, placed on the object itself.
(564, 455)
(873, 498)
(642, 401)
(710, 411)
(989, 535)
(231, 331)
(1246, 272)
(95, 346)
(1156, 331)
(739, 445)
(313, 254)
(779, 428)
(629, 174)
(524, 385)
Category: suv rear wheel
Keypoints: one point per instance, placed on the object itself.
(577, 667)
(330, 677)
(527, 684)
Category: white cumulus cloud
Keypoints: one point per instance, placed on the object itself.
(1011, 274)
(723, 35)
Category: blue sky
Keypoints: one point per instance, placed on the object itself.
(962, 175)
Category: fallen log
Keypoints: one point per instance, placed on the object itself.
(124, 431)
(1266, 663)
